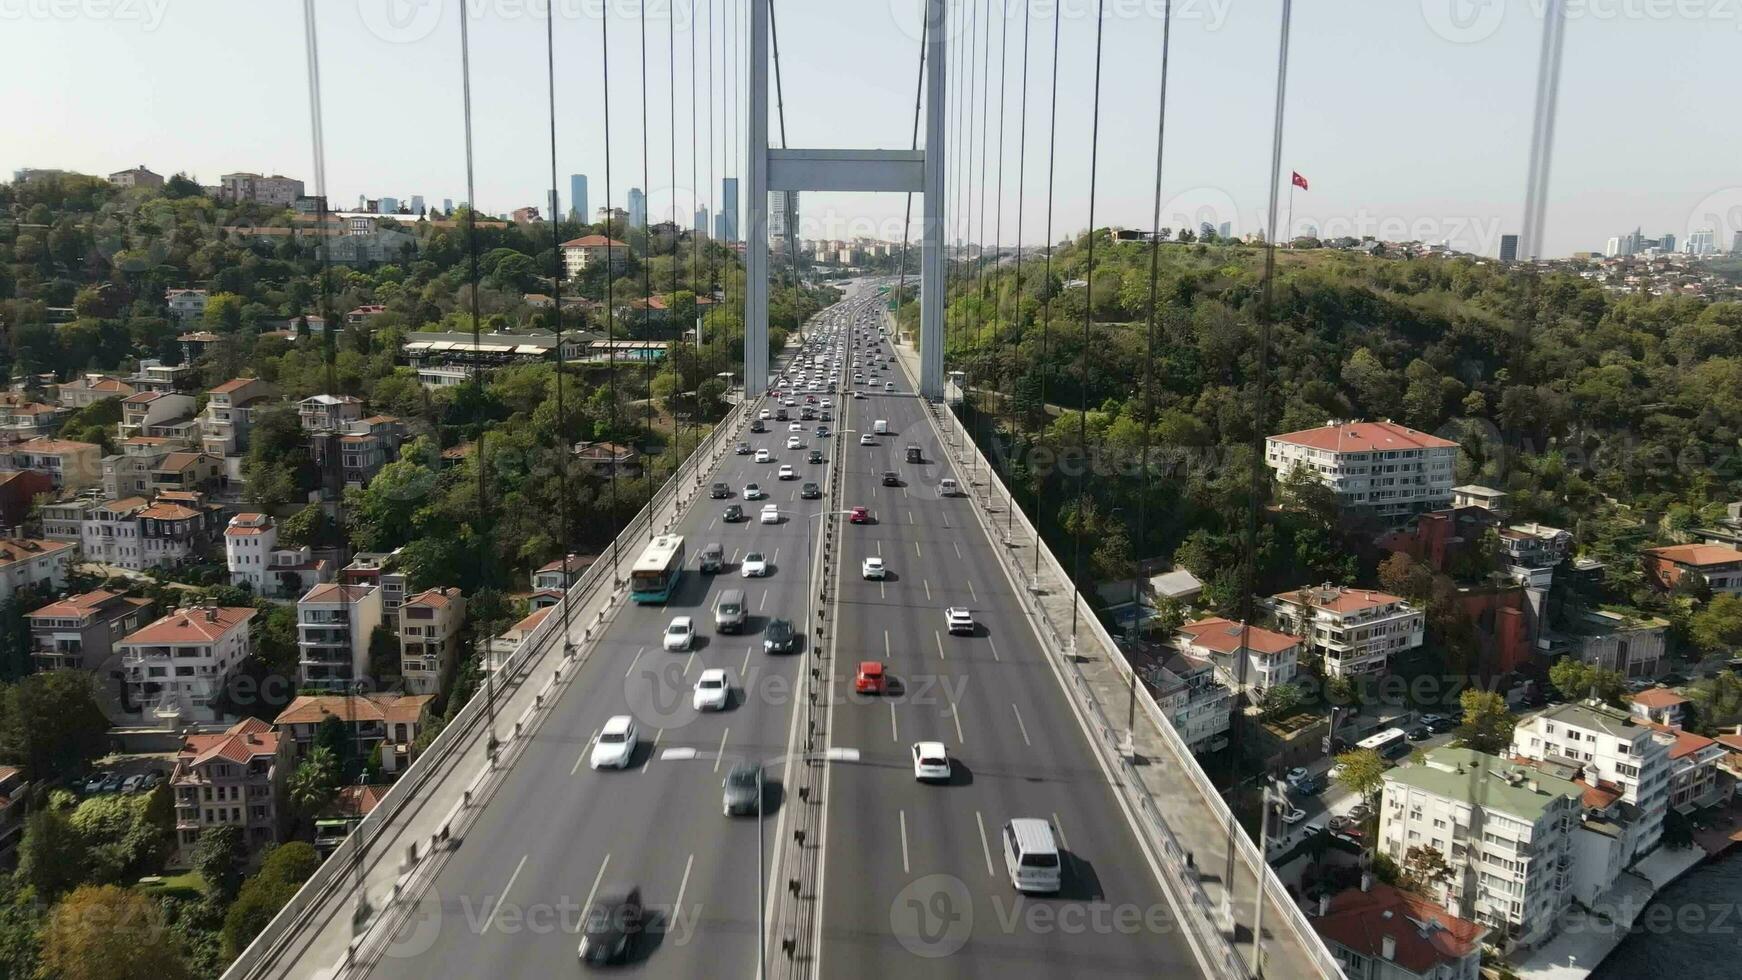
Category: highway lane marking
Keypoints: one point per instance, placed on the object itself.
(722, 753)
(742, 671)
(681, 886)
(940, 638)
(688, 661)
(958, 550)
(904, 493)
(885, 644)
(594, 891)
(910, 520)
(1023, 728)
(916, 553)
(656, 737)
(584, 752)
(972, 594)
(880, 549)
(777, 556)
(985, 848)
(1059, 828)
(497, 906)
(927, 584)
(882, 590)
(994, 647)
(762, 602)
(734, 556)
(956, 716)
(894, 735)
(903, 815)
(712, 523)
(632, 663)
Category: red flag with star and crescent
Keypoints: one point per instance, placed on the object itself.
(1299, 181)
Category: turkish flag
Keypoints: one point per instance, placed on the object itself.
(1299, 181)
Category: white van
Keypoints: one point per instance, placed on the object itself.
(1031, 857)
(881, 427)
(948, 487)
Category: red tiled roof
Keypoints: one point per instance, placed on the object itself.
(1364, 437)
(191, 626)
(356, 801)
(334, 592)
(1425, 934)
(1659, 697)
(240, 743)
(1340, 600)
(235, 384)
(55, 446)
(73, 607)
(593, 241)
(531, 622)
(1686, 743)
(1698, 555)
(1223, 636)
(314, 708)
(437, 598)
(13, 550)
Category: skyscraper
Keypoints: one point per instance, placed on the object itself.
(1736, 244)
(702, 226)
(417, 204)
(782, 214)
(729, 209)
(389, 205)
(720, 227)
(1509, 248)
(1703, 242)
(637, 208)
(1667, 243)
(578, 197)
(447, 205)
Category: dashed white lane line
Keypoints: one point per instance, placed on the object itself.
(971, 593)
(956, 716)
(994, 647)
(635, 661)
(940, 638)
(657, 735)
(682, 885)
(744, 670)
(985, 847)
(722, 753)
(958, 550)
(585, 751)
(904, 867)
(927, 583)
(916, 552)
(594, 891)
(503, 897)
(894, 733)
(1020, 726)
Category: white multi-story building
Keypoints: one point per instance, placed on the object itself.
(1354, 631)
(581, 254)
(1269, 657)
(1506, 830)
(255, 561)
(32, 563)
(333, 624)
(429, 638)
(1197, 704)
(144, 413)
(176, 667)
(1613, 751)
(275, 190)
(186, 304)
(110, 535)
(1382, 468)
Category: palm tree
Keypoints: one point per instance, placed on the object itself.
(314, 782)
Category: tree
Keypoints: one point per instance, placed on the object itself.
(1718, 627)
(52, 858)
(50, 723)
(103, 932)
(1423, 867)
(219, 856)
(282, 872)
(1487, 723)
(125, 836)
(1577, 680)
(1717, 702)
(314, 782)
(1362, 773)
(1404, 576)
(1278, 700)
(383, 655)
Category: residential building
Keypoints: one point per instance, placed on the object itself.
(228, 421)
(444, 375)
(64, 519)
(275, 190)
(429, 638)
(196, 343)
(500, 648)
(14, 799)
(333, 625)
(384, 723)
(369, 248)
(355, 454)
(1251, 666)
(232, 779)
(1631, 643)
(1694, 763)
(21, 418)
(561, 573)
(156, 376)
(79, 632)
(524, 216)
(70, 465)
(1535, 545)
(174, 669)
(581, 254)
(110, 535)
(136, 177)
(363, 314)
(90, 389)
(1377, 932)
(1476, 495)
(605, 458)
(1354, 631)
(134, 470)
(33, 563)
(187, 471)
(1196, 704)
(1660, 705)
(328, 413)
(148, 410)
(378, 569)
(1506, 830)
(1718, 566)
(349, 806)
(1612, 751)
(256, 562)
(186, 304)
(19, 492)
(1378, 468)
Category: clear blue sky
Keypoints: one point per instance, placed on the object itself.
(1415, 113)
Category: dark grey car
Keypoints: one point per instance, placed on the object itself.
(743, 789)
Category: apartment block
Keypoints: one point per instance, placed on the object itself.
(1718, 566)
(1377, 932)
(256, 562)
(232, 779)
(1505, 829)
(91, 389)
(504, 646)
(148, 412)
(185, 304)
(275, 190)
(175, 668)
(1609, 749)
(378, 569)
(333, 624)
(1630, 643)
(1253, 665)
(32, 563)
(429, 638)
(1378, 468)
(328, 413)
(581, 254)
(72, 466)
(154, 375)
(1354, 631)
(1195, 702)
(80, 632)
(1535, 545)
(229, 418)
(384, 723)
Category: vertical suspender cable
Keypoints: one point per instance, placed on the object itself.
(610, 280)
(651, 476)
(998, 228)
(556, 256)
(1083, 352)
(1154, 296)
(1052, 139)
(907, 215)
(1016, 287)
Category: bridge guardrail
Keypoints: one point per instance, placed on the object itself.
(266, 948)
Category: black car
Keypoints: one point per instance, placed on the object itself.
(734, 513)
(612, 926)
(816, 456)
(1418, 733)
(719, 491)
(743, 786)
(891, 478)
(777, 636)
(810, 491)
(757, 426)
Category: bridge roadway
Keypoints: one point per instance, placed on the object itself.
(914, 875)
(507, 902)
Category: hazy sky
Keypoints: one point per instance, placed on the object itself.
(1410, 118)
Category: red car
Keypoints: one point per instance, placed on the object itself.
(859, 515)
(870, 678)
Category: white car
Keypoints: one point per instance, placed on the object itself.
(794, 442)
(771, 514)
(960, 619)
(713, 690)
(858, 396)
(1293, 815)
(765, 415)
(787, 472)
(795, 427)
(931, 762)
(753, 565)
(866, 440)
(753, 492)
(763, 456)
(873, 568)
(680, 634)
(615, 745)
(888, 386)
(791, 403)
